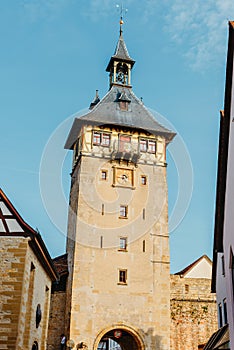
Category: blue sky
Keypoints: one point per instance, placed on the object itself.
(53, 58)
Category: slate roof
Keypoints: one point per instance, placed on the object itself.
(218, 339)
(107, 112)
(60, 262)
(121, 53)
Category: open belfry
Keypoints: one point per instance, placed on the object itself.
(118, 287)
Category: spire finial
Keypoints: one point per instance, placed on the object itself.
(122, 11)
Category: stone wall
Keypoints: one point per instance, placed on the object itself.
(57, 319)
(24, 285)
(193, 312)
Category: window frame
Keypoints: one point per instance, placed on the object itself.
(123, 214)
(122, 143)
(122, 277)
(143, 177)
(152, 142)
(101, 140)
(103, 172)
(123, 247)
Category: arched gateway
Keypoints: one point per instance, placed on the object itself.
(117, 338)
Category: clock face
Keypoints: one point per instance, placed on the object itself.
(124, 177)
(120, 77)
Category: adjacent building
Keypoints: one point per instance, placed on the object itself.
(26, 276)
(193, 306)
(223, 261)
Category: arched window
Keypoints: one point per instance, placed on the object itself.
(35, 346)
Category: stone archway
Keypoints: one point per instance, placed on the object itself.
(119, 337)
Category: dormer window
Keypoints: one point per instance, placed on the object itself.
(123, 105)
(101, 138)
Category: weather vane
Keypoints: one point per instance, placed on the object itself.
(122, 11)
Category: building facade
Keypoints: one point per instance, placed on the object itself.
(118, 287)
(193, 306)
(26, 275)
(223, 267)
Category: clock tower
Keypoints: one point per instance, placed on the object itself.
(118, 291)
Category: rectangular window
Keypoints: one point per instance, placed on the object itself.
(151, 146)
(143, 246)
(143, 145)
(123, 213)
(220, 315)
(96, 138)
(123, 105)
(143, 180)
(225, 311)
(186, 287)
(106, 140)
(123, 276)
(104, 175)
(223, 267)
(124, 143)
(123, 243)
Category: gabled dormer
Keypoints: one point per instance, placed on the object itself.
(120, 64)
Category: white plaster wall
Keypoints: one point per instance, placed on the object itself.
(228, 238)
(202, 270)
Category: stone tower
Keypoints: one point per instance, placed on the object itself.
(118, 291)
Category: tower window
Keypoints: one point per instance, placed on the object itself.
(143, 246)
(123, 243)
(124, 143)
(186, 286)
(102, 139)
(151, 146)
(123, 213)
(143, 180)
(106, 140)
(147, 146)
(104, 175)
(123, 276)
(96, 138)
(143, 145)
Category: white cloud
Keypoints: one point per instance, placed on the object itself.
(200, 28)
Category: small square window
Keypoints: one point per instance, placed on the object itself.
(143, 145)
(123, 243)
(123, 276)
(106, 140)
(123, 105)
(104, 175)
(96, 138)
(123, 213)
(151, 146)
(143, 180)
